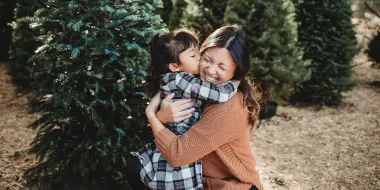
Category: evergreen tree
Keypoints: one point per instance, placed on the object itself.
(328, 39)
(276, 61)
(165, 11)
(6, 16)
(176, 14)
(90, 93)
(24, 43)
(204, 16)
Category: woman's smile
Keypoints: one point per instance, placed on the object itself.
(209, 78)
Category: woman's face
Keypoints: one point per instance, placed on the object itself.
(216, 65)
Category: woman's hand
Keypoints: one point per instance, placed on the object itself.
(171, 112)
(152, 107)
(150, 112)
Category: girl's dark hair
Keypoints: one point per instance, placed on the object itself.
(165, 49)
(233, 38)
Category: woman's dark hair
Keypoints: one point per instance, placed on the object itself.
(233, 38)
(165, 49)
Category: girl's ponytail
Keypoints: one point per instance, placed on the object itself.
(153, 43)
(153, 82)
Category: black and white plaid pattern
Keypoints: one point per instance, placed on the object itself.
(157, 173)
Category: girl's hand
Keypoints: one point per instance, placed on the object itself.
(171, 112)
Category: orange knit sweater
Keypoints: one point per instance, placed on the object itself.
(221, 139)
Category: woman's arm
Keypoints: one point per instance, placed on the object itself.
(220, 124)
(150, 110)
(170, 112)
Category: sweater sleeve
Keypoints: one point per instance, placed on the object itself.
(220, 124)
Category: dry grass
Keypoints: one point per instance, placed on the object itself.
(325, 148)
(14, 136)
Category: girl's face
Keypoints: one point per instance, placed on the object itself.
(190, 60)
(216, 65)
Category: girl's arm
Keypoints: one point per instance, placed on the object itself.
(192, 87)
(220, 124)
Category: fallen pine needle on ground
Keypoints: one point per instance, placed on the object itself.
(324, 147)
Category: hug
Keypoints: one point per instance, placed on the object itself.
(201, 115)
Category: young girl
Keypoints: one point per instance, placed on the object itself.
(174, 62)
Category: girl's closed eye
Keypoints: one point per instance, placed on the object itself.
(195, 55)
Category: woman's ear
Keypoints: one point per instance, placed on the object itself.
(174, 67)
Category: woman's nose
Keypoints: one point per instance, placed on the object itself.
(211, 70)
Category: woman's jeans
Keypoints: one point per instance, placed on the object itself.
(133, 175)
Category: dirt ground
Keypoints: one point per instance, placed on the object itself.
(15, 137)
(322, 147)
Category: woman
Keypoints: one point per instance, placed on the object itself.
(221, 137)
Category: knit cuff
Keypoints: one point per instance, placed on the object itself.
(164, 138)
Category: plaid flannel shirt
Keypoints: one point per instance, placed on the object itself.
(157, 173)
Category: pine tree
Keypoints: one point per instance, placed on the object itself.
(165, 11)
(90, 93)
(24, 43)
(177, 14)
(328, 39)
(6, 16)
(204, 16)
(276, 61)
